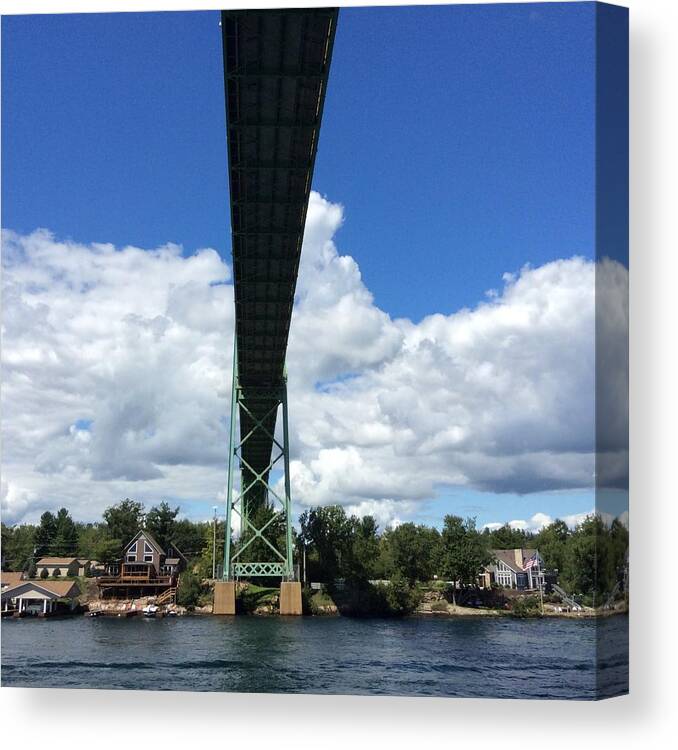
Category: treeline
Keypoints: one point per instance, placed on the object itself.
(589, 560)
(58, 535)
(334, 546)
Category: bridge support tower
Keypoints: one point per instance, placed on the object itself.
(269, 533)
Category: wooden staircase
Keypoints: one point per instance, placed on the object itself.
(169, 596)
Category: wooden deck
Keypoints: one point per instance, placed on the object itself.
(145, 583)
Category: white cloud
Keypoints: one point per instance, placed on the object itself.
(539, 520)
(117, 379)
(114, 370)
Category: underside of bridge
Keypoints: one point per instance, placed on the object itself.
(276, 66)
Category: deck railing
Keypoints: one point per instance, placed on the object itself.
(122, 580)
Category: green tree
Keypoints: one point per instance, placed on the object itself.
(589, 567)
(413, 551)
(107, 550)
(204, 567)
(506, 537)
(45, 534)
(18, 544)
(124, 520)
(551, 542)
(363, 561)
(6, 543)
(65, 543)
(326, 532)
(90, 537)
(401, 598)
(189, 589)
(619, 547)
(161, 522)
(189, 536)
(44, 574)
(465, 551)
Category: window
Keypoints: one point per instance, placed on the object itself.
(148, 550)
(148, 558)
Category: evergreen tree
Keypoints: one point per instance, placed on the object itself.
(161, 522)
(45, 534)
(65, 542)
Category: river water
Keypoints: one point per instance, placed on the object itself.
(424, 656)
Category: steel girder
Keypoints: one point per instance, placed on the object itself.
(276, 68)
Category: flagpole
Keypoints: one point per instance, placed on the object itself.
(540, 578)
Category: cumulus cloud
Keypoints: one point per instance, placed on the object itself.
(114, 367)
(117, 380)
(539, 520)
(499, 397)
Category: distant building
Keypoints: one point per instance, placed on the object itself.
(67, 566)
(521, 569)
(40, 597)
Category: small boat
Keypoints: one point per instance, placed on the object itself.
(94, 613)
(150, 610)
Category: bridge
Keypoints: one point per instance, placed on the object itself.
(276, 68)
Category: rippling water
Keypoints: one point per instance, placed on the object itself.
(480, 657)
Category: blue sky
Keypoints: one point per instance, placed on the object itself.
(459, 139)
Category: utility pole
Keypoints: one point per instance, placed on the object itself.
(214, 544)
(305, 582)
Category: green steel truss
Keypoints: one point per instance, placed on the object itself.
(255, 486)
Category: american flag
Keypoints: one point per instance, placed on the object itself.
(531, 562)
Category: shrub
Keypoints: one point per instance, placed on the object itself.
(401, 598)
(44, 573)
(189, 589)
(57, 572)
(527, 606)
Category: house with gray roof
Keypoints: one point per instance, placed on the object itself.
(521, 569)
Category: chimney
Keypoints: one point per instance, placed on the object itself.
(518, 554)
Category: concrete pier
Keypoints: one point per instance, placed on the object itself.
(224, 598)
(290, 598)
